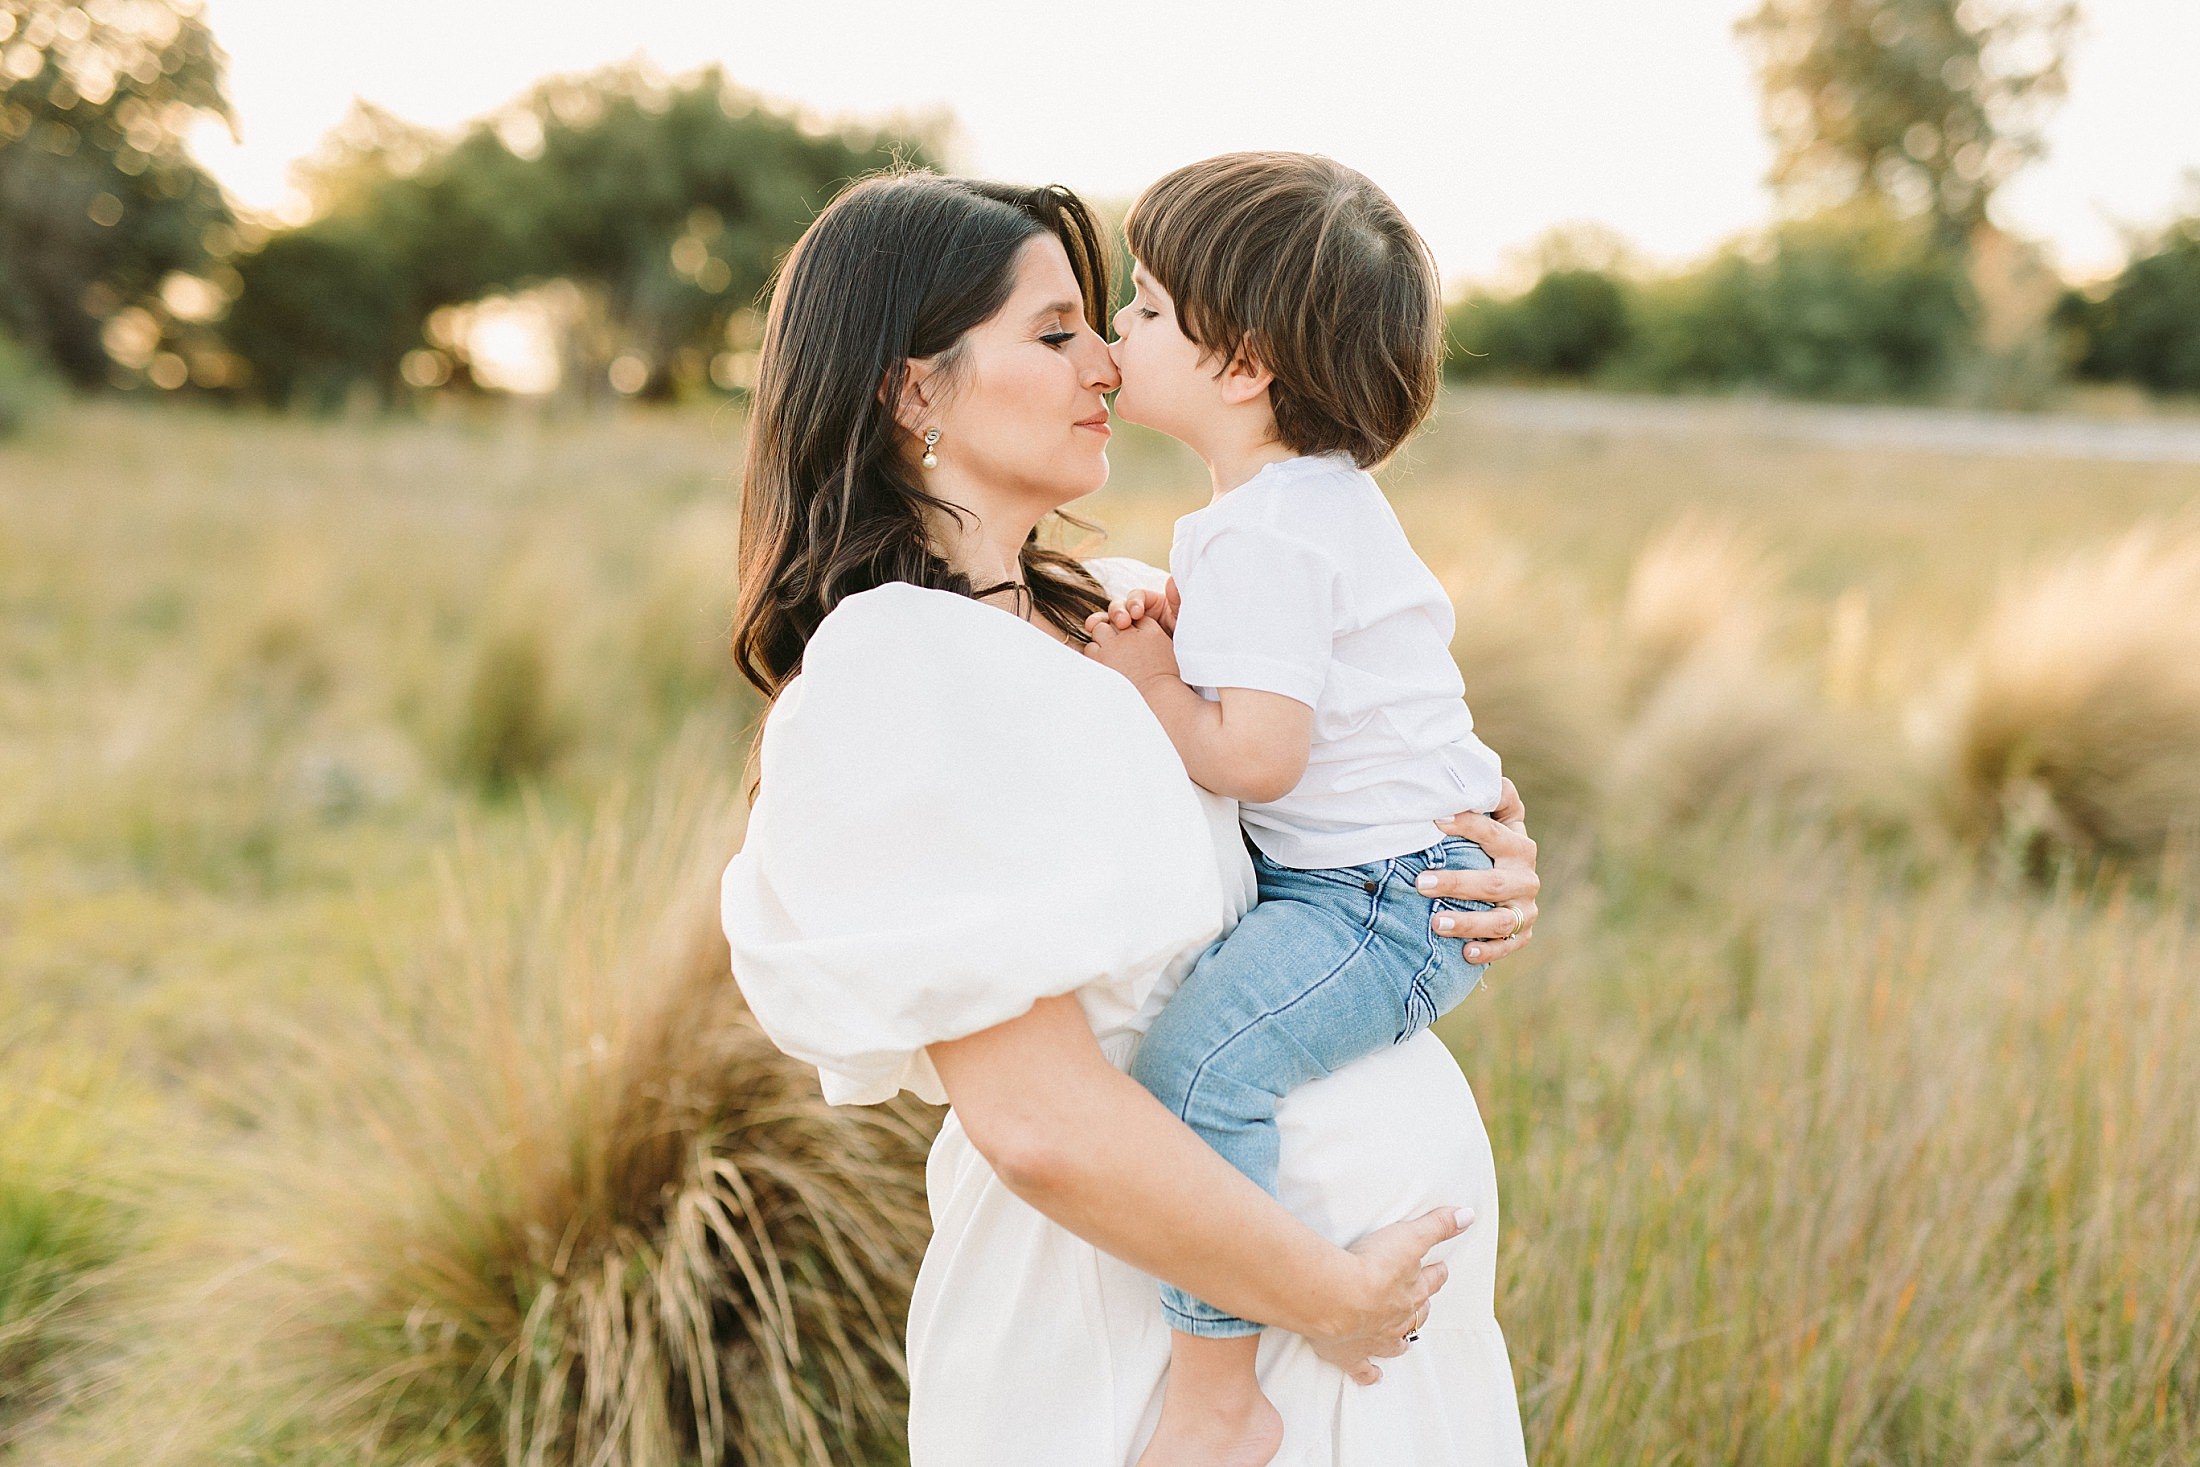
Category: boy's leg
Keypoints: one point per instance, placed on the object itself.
(1263, 1013)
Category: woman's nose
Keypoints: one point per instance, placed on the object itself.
(1102, 374)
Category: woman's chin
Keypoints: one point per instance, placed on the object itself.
(1088, 475)
(1095, 477)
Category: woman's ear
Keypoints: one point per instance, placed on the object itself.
(1246, 377)
(913, 409)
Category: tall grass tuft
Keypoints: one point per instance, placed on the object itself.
(1725, 729)
(677, 639)
(564, 1203)
(1702, 588)
(2074, 724)
(1539, 695)
(66, 1214)
(1808, 1162)
(511, 726)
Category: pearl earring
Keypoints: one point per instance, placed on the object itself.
(931, 460)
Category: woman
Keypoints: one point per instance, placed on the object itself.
(976, 869)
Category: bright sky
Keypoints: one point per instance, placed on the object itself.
(1487, 121)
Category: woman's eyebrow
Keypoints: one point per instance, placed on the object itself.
(1057, 308)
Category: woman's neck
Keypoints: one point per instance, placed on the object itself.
(986, 541)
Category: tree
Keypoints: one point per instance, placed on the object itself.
(98, 200)
(1571, 319)
(1925, 105)
(2146, 327)
(1851, 303)
(668, 203)
(1570, 323)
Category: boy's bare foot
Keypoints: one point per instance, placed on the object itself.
(1213, 1414)
(1243, 1436)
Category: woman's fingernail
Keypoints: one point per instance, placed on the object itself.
(1425, 882)
(1447, 924)
(1474, 954)
(1464, 1217)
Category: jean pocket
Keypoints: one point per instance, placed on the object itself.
(1457, 853)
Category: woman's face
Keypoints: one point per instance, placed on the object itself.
(1023, 410)
(1164, 371)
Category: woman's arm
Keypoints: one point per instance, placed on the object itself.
(1086, 1145)
(1511, 884)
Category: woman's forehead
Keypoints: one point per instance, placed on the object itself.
(1043, 273)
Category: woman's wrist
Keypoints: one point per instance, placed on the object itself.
(1338, 1302)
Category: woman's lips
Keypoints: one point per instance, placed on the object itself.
(1098, 425)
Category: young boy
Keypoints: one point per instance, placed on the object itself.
(1287, 326)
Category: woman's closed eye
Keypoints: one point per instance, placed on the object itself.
(1057, 339)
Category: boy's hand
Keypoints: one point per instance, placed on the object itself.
(1139, 605)
(1140, 652)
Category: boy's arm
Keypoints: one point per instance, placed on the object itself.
(1250, 746)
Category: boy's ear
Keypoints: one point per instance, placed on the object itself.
(1247, 376)
(914, 407)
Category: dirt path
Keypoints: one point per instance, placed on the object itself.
(1942, 430)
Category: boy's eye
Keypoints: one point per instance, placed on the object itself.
(1147, 314)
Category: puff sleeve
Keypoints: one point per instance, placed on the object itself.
(957, 817)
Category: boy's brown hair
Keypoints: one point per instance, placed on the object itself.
(1311, 267)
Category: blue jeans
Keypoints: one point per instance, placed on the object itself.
(1328, 967)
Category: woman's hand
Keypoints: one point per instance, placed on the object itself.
(1510, 887)
(1395, 1289)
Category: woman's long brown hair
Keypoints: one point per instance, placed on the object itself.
(900, 265)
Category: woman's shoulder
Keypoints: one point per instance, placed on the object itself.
(917, 668)
(895, 612)
(902, 640)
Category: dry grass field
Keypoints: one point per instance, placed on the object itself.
(370, 1090)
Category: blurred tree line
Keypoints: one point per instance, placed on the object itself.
(653, 209)
(1893, 123)
(641, 216)
(662, 206)
(99, 203)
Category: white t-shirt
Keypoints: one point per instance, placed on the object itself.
(1300, 581)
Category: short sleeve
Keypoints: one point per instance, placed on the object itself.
(957, 816)
(1259, 610)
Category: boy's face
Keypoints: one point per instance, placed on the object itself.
(1167, 385)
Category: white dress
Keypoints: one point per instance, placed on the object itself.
(959, 816)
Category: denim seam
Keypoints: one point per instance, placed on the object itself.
(1417, 994)
(1191, 1086)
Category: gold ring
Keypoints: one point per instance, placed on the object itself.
(1520, 920)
